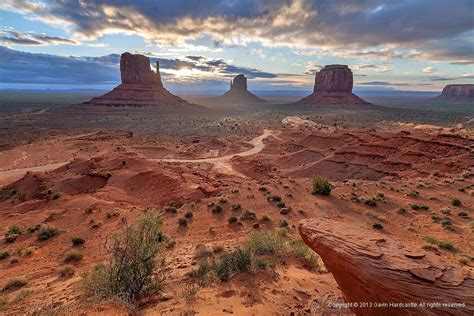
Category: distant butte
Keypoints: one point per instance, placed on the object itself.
(238, 92)
(141, 87)
(457, 93)
(333, 86)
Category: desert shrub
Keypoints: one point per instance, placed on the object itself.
(266, 218)
(236, 261)
(33, 228)
(456, 202)
(188, 214)
(66, 272)
(446, 223)
(14, 284)
(321, 186)
(401, 210)
(413, 194)
(57, 195)
(281, 204)
(424, 207)
(45, 232)
(446, 211)
(216, 209)
(284, 210)
(275, 198)
(171, 209)
(201, 274)
(236, 207)
(4, 254)
(463, 214)
(132, 269)
(283, 223)
(305, 254)
(232, 220)
(14, 230)
(370, 202)
(439, 243)
(72, 256)
(182, 222)
(248, 215)
(415, 207)
(76, 241)
(223, 199)
(263, 189)
(189, 292)
(377, 226)
(265, 243)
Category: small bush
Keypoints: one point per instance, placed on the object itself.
(263, 189)
(463, 214)
(266, 218)
(456, 202)
(46, 232)
(14, 230)
(415, 207)
(248, 215)
(446, 223)
(236, 207)
(4, 254)
(370, 203)
(72, 256)
(446, 211)
(265, 243)
(223, 200)
(232, 220)
(57, 195)
(182, 222)
(66, 272)
(188, 214)
(275, 198)
(14, 284)
(283, 224)
(413, 194)
(401, 210)
(284, 210)
(321, 186)
(76, 241)
(33, 229)
(237, 261)
(377, 226)
(439, 243)
(132, 269)
(217, 209)
(305, 254)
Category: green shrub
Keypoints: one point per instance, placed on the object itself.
(283, 223)
(305, 254)
(439, 243)
(132, 269)
(237, 261)
(248, 215)
(446, 223)
(76, 241)
(371, 203)
(14, 284)
(275, 198)
(456, 202)
(321, 186)
(46, 232)
(281, 204)
(72, 256)
(265, 243)
(217, 209)
(463, 214)
(413, 194)
(182, 222)
(284, 210)
(4, 254)
(188, 214)
(232, 220)
(377, 226)
(223, 200)
(57, 195)
(236, 207)
(14, 230)
(171, 209)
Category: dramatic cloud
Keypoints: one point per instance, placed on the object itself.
(22, 67)
(421, 29)
(312, 68)
(9, 36)
(429, 70)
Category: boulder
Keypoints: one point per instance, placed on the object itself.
(333, 86)
(386, 276)
(457, 93)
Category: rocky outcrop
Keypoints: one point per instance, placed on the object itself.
(457, 93)
(238, 92)
(373, 270)
(141, 87)
(333, 86)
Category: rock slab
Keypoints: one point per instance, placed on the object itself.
(374, 270)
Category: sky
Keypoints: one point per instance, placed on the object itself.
(418, 45)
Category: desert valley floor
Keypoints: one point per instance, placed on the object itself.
(413, 181)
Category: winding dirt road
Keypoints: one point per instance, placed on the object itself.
(221, 164)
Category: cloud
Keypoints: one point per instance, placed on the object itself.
(395, 84)
(11, 37)
(429, 70)
(371, 67)
(450, 78)
(312, 68)
(390, 29)
(23, 67)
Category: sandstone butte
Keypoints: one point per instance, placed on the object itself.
(141, 87)
(457, 93)
(373, 267)
(238, 92)
(333, 86)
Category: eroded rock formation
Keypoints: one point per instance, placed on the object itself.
(458, 93)
(238, 92)
(141, 86)
(333, 86)
(374, 267)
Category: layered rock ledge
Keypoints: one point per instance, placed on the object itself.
(333, 86)
(371, 267)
